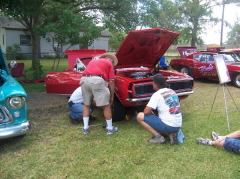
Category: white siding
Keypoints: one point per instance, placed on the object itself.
(13, 37)
(100, 43)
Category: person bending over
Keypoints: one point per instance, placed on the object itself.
(98, 82)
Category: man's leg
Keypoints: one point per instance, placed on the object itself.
(235, 134)
(107, 112)
(219, 142)
(158, 138)
(77, 111)
(86, 109)
(140, 119)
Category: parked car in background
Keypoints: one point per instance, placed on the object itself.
(138, 57)
(202, 65)
(13, 107)
(234, 50)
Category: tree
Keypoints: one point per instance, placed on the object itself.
(117, 34)
(234, 35)
(159, 13)
(196, 15)
(45, 14)
(188, 17)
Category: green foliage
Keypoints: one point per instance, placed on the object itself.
(15, 48)
(14, 52)
(234, 34)
(117, 35)
(67, 18)
(196, 14)
(67, 29)
(37, 71)
(164, 14)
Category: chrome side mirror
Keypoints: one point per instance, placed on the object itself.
(13, 64)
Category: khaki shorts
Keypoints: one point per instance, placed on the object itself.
(95, 87)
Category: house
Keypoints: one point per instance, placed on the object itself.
(13, 32)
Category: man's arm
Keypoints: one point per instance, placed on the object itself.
(111, 88)
(148, 110)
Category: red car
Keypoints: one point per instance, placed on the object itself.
(138, 57)
(234, 50)
(202, 65)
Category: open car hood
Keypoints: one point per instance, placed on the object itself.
(186, 51)
(144, 47)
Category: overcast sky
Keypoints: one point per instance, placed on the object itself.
(214, 33)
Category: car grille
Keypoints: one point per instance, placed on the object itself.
(5, 116)
(177, 86)
(144, 89)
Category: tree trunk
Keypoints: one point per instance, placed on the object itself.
(194, 34)
(35, 50)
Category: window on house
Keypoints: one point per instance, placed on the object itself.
(25, 40)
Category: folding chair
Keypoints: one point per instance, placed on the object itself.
(18, 71)
(163, 63)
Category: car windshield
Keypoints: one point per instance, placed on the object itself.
(231, 57)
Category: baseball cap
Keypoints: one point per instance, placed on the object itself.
(158, 78)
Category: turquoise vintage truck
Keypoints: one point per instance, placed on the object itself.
(13, 107)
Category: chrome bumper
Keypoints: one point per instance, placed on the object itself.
(133, 100)
(15, 130)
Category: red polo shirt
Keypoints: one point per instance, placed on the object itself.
(101, 67)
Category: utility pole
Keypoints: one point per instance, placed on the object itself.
(223, 7)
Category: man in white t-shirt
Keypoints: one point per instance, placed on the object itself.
(75, 105)
(169, 119)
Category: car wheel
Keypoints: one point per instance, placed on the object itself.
(236, 80)
(184, 69)
(118, 110)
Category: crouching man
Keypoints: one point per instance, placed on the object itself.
(75, 105)
(169, 119)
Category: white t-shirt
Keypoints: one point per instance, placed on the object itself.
(167, 103)
(76, 96)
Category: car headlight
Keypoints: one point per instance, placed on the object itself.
(16, 102)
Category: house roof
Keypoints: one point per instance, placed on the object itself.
(10, 23)
(105, 33)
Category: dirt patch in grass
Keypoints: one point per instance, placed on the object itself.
(44, 100)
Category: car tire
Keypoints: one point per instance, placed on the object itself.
(185, 70)
(236, 80)
(118, 110)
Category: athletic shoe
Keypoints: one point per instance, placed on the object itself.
(74, 121)
(85, 131)
(113, 130)
(204, 141)
(156, 140)
(173, 138)
(215, 135)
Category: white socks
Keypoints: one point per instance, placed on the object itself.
(109, 124)
(85, 122)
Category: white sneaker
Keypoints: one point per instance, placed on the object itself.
(215, 135)
(113, 130)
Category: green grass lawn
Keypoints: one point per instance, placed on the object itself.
(49, 65)
(56, 149)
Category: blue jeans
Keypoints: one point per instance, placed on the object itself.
(77, 110)
(232, 144)
(156, 123)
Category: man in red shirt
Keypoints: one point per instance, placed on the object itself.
(98, 82)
